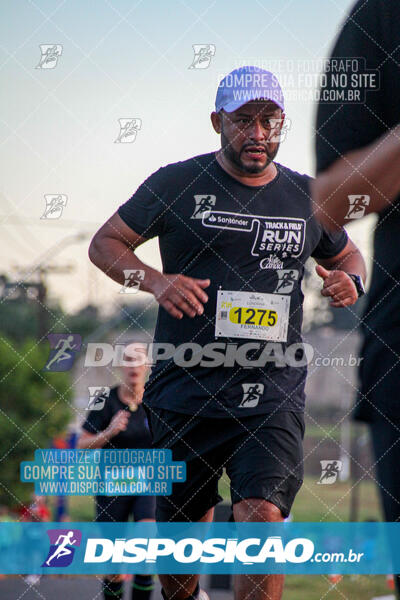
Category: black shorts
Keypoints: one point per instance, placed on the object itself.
(118, 509)
(262, 455)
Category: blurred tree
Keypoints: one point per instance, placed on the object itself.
(19, 318)
(84, 321)
(139, 317)
(34, 407)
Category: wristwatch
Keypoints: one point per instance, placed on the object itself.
(358, 282)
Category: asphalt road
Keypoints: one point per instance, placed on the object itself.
(77, 588)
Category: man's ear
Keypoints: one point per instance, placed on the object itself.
(216, 119)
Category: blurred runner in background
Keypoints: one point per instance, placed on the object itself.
(122, 423)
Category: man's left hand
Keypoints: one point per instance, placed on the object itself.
(338, 286)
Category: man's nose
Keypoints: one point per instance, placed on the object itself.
(257, 132)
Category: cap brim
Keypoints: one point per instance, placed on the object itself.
(235, 104)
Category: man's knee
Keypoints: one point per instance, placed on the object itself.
(256, 509)
(180, 587)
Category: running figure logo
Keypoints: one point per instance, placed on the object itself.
(278, 134)
(63, 348)
(50, 55)
(357, 206)
(54, 206)
(128, 129)
(62, 547)
(330, 470)
(133, 279)
(203, 54)
(287, 279)
(252, 393)
(204, 203)
(97, 397)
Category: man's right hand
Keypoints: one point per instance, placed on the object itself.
(118, 423)
(179, 294)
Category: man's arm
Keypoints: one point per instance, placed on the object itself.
(374, 171)
(358, 143)
(337, 284)
(112, 250)
(91, 441)
(118, 423)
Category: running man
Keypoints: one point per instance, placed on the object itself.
(287, 280)
(63, 345)
(331, 470)
(62, 550)
(215, 284)
(50, 55)
(55, 205)
(252, 395)
(129, 128)
(203, 206)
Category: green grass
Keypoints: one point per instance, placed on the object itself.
(332, 502)
(318, 587)
(327, 431)
(81, 508)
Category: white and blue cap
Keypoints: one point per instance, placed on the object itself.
(245, 84)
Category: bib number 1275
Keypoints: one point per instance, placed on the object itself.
(253, 316)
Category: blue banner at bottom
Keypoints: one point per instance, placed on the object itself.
(302, 548)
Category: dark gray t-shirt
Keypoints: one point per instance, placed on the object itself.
(137, 433)
(244, 239)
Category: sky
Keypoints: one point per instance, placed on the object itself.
(130, 60)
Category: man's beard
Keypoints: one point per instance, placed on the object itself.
(234, 157)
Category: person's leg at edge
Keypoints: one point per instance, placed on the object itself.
(180, 587)
(113, 587)
(112, 509)
(142, 585)
(386, 444)
(257, 587)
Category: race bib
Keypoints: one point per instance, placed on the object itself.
(252, 315)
